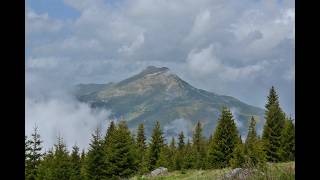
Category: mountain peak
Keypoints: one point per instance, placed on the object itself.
(154, 69)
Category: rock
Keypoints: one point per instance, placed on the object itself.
(233, 173)
(157, 172)
(238, 173)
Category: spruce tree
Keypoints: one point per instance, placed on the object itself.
(95, 160)
(141, 139)
(180, 155)
(199, 147)
(165, 158)
(173, 143)
(239, 158)
(61, 161)
(188, 160)
(287, 151)
(33, 154)
(172, 154)
(46, 167)
(141, 149)
(275, 119)
(110, 130)
(224, 141)
(75, 161)
(254, 147)
(82, 163)
(121, 158)
(155, 146)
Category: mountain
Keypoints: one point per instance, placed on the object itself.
(158, 94)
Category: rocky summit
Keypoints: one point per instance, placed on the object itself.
(159, 94)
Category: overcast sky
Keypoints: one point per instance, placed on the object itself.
(231, 47)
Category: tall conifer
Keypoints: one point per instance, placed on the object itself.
(155, 146)
(224, 141)
(275, 119)
(33, 154)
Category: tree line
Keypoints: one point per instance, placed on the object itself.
(120, 154)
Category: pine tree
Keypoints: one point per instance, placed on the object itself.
(141, 139)
(155, 146)
(273, 127)
(165, 158)
(188, 161)
(141, 149)
(46, 167)
(61, 161)
(180, 155)
(110, 130)
(172, 154)
(83, 164)
(287, 151)
(239, 158)
(224, 141)
(75, 164)
(173, 143)
(95, 160)
(199, 147)
(27, 148)
(254, 147)
(181, 141)
(33, 154)
(121, 158)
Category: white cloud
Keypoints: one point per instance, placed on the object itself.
(40, 23)
(74, 121)
(135, 45)
(203, 61)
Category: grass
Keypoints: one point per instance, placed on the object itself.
(273, 171)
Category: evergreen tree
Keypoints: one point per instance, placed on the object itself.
(188, 160)
(75, 161)
(287, 151)
(173, 143)
(110, 130)
(121, 158)
(199, 147)
(27, 149)
(61, 162)
(94, 161)
(83, 164)
(224, 141)
(181, 141)
(33, 154)
(141, 149)
(165, 158)
(141, 139)
(254, 146)
(155, 146)
(273, 127)
(180, 155)
(172, 154)
(46, 167)
(239, 158)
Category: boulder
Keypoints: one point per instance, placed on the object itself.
(238, 173)
(158, 172)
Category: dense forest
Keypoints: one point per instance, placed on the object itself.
(122, 154)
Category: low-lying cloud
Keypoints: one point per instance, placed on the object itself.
(72, 120)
